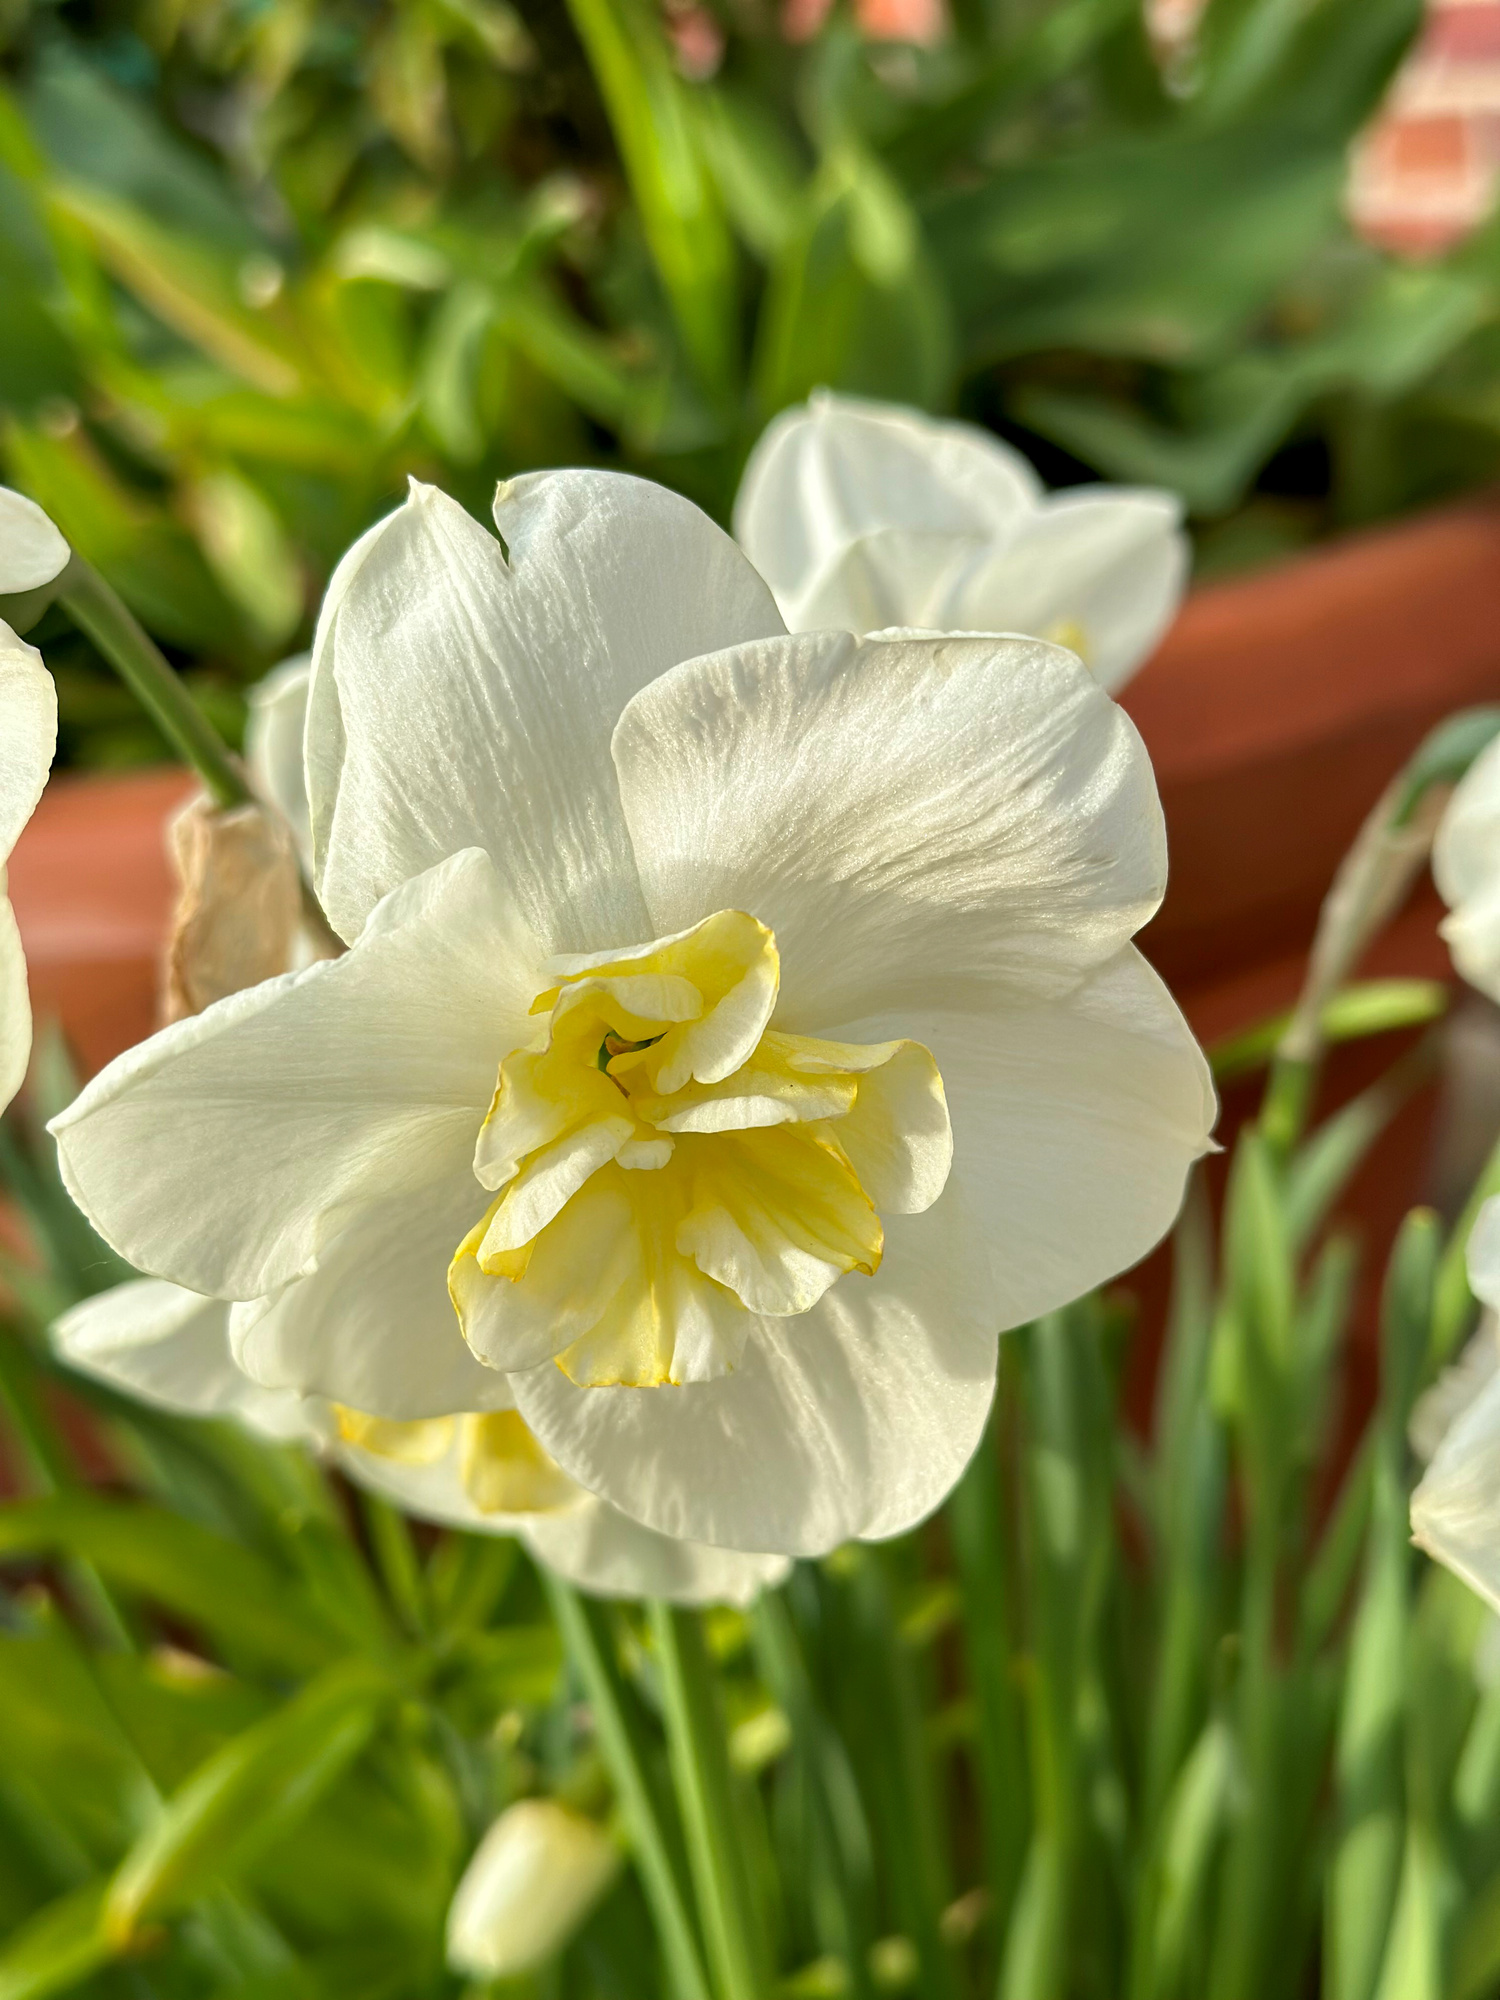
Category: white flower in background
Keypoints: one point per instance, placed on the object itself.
(533, 1879)
(865, 516)
(273, 746)
(1455, 1511)
(675, 944)
(481, 1472)
(1466, 867)
(28, 738)
(32, 551)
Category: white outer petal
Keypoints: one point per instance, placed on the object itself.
(590, 1543)
(1466, 866)
(1110, 561)
(170, 1348)
(1455, 1511)
(28, 734)
(1075, 1122)
(371, 1325)
(15, 1004)
(32, 551)
(220, 1152)
(916, 818)
(854, 1419)
(837, 467)
(273, 746)
(459, 699)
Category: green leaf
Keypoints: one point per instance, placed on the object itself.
(679, 204)
(1164, 247)
(1367, 1007)
(854, 302)
(212, 1584)
(58, 1947)
(247, 1796)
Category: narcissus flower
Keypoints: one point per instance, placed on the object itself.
(736, 1031)
(533, 1879)
(867, 515)
(483, 1471)
(1455, 1511)
(1466, 866)
(28, 738)
(32, 551)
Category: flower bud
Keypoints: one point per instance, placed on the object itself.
(533, 1879)
(239, 904)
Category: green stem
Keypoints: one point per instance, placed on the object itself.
(700, 1770)
(841, 1851)
(587, 1641)
(97, 609)
(53, 1471)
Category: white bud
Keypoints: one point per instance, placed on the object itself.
(533, 1879)
(32, 552)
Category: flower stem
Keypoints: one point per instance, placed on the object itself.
(587, 1642)
(97, 609)
(700, 1770)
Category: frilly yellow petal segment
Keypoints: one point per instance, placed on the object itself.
(505, 1471)
(667, 1164)
(421, 1442)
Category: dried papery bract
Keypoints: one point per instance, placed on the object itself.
(239, 903)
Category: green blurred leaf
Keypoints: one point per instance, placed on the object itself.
(679, 204)
(57, 1948)
(209, 1582)
(247, 1796)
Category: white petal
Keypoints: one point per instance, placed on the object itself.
(212, 1153)
(609, 1555)
(28, 733)
(1455, 1511)
(273, 746)
(836, 468)
(1075, 1122)
(372, 1326)
(1101, 570)
(32, 551)
(460, 699)
(1483, 1254)
(1466, 865)
(893, 577)
(15, 1004)
(909, 815)
(589, 1543)
(854, 1419)
(533, 1879)
(899, 1136)
(170, 1348)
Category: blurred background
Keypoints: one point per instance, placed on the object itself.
(260, 259)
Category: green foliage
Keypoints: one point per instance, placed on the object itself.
(1142, 1717)
(264, 259)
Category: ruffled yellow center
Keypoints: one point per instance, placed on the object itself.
(666, 1164)
(501, 1467)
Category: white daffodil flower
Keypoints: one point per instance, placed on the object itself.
(1466, 867)
(28, 739)
(869, 515)
(484, 1472)
(533, 1879)
(1455, 1511)
(32, 552)
(686, 958)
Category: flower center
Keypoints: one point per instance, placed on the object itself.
(667, 1164)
